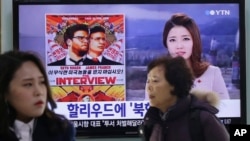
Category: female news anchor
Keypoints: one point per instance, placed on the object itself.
(181, 37)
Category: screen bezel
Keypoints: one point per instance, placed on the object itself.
(117, 132)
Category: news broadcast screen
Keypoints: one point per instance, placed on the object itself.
(110, 98)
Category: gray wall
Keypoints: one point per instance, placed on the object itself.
(6, 23)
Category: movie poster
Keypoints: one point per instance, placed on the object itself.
(86, 82)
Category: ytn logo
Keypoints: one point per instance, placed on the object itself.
(218, 12)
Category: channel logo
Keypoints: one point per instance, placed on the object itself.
(217, 12)
(239, 132)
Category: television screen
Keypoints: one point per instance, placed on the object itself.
(106, 96)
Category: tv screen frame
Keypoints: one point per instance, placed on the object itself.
(116, 131)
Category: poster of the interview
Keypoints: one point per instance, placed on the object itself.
(84, 82)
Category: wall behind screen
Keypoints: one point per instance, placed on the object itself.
(6, 43)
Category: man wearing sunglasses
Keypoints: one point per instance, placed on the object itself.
(76, 38)
(97, 44)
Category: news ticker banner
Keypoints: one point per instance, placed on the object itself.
(107, 123)
(239, 132)
(124, 109)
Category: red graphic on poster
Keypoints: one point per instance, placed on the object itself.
(88, 93)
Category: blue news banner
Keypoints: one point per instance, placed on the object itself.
(239, 132)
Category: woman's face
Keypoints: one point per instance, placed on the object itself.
(179, 42)
(27, 92)
(158, 89)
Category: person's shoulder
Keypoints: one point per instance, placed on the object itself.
(216, 71)
(152, 115)
(63, 119)
(110, 62)
(58, 63)
(57, 119)
(205, 102)
(208, 118)
(213, 68)
(209, 122)
(206, 110)
(55, 127)
(87, 61)
(9, 137)
(70, 131)
(207, 96)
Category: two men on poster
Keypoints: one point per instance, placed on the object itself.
(91, 51)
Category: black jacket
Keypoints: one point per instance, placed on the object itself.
(58, 63)
(174, 125)
(41, 132)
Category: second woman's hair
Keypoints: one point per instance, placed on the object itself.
(176, 73)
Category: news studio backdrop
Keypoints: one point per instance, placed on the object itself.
(109, 100)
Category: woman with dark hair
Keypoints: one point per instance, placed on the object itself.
(26, 103)
(181, 36)
(169, 82)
